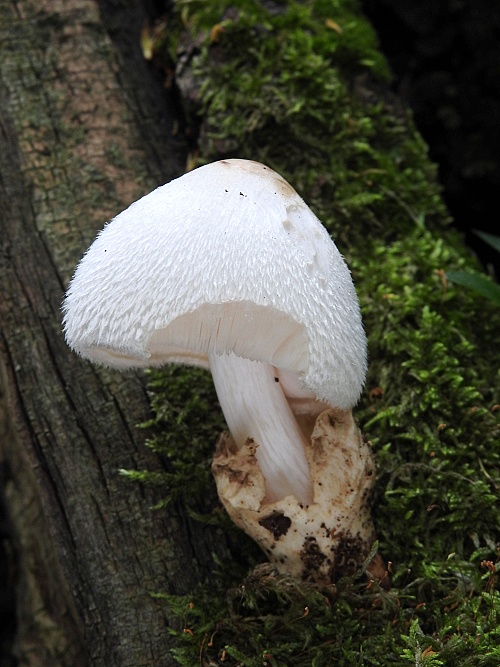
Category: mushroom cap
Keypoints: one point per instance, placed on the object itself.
(227, 258)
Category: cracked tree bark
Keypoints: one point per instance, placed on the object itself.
(84, 130)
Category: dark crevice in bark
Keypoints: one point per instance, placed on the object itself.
(165, 137)
(8, 566)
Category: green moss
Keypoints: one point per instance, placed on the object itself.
(272, 620)
(304, 89)
(186, 421)
(433, 428)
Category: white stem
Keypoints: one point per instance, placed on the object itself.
(255, 407)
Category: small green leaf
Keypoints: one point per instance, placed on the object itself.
(479, 284)
(490, 239)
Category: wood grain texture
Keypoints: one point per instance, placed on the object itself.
(79, 141)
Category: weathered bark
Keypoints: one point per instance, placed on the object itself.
(81, 135)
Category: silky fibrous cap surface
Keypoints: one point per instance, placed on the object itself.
(227, 258)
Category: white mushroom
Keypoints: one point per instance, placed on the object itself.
(227, 268)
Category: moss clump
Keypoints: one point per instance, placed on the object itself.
(431, 403)
(303, 88)
(272, 620)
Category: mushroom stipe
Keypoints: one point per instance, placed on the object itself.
(227, 268)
